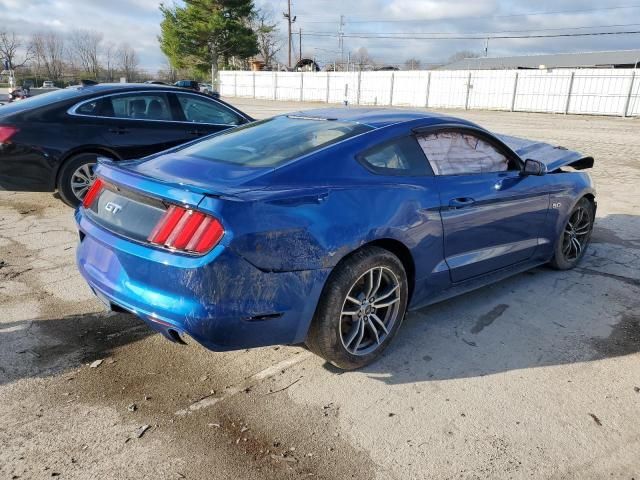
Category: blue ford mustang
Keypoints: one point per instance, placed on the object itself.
(326, 226)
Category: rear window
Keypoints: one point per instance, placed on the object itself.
(41, 100)
(274, 141)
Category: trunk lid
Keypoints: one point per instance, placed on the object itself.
(136, 195)
(198, 174)
(554, 157)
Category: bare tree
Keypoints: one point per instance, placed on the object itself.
(109, 58)
(85, 48)
(362, 58)
(266, 29)
(14, 51)
(461, 55)
(412, 64)
(127, 61)
(49, 48)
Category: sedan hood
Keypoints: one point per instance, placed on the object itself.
(201, 174)
(553, 157)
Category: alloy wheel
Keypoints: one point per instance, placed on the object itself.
(576, 234)
(82, 179)
(370, 311)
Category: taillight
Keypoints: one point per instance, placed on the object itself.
(6, 133)
(93, 192)
(186, 230)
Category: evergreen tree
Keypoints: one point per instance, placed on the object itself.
(203, 33)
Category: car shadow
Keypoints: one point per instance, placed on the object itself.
(539, 318)
(536, 319)
(44, 347)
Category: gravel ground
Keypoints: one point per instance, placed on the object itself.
(537, 376)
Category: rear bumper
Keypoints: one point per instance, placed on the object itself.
(220, 300)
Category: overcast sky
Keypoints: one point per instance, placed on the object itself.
(137, 23)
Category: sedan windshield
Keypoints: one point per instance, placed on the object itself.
(274, 141)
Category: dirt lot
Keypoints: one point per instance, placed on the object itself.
(537, 376)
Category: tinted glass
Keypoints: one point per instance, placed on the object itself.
(273, 141)
(202, 110)
(140, 106)
(41, 100)
(400, 157)
(89, 108)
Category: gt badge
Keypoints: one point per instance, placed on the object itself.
(112, 207)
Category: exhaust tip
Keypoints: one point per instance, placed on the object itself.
(175, 336)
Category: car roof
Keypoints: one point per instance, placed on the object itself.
(117, 87)
(381, 117)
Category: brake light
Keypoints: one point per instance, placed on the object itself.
(186, 230)
(93, 192)
(6, 133)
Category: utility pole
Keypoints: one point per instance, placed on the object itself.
(486, 47)
(341, 40)
(300, 45)
(289, 22)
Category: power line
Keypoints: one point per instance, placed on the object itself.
(487, 33)
(532, 14)
(492, 37)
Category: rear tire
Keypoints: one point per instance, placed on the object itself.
(75, 178)
(371, 286)
(575, 236)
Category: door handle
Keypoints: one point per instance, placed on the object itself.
(461, 202)
(119, 131)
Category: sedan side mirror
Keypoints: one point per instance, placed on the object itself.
(533, 167)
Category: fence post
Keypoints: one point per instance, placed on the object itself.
(254, 84)
(426, 100)
(301, 85)
(566, 108)
(328, 85)
(275, 85)
(466, 100)
(515, 92)
(359, 83)
(625, 112)
(393, 76)
(235, 84)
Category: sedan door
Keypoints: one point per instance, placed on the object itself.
(137, 124)
(206, 115)
(492, 217)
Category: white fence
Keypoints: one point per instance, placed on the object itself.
(580, 91)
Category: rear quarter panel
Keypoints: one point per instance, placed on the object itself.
(332, 207)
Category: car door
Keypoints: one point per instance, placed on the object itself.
(492, 216)
(206, 115)
(137, 124)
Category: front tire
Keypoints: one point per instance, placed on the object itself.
(75, 177)
(575, 236)
(361, 308)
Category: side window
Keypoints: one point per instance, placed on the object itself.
(399, 157)
(143, 106)
(458, 153)
(202, 110)
(88, 108)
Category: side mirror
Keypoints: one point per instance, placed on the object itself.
(533, 167)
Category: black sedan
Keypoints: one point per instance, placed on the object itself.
(52, 141)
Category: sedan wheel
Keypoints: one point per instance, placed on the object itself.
(361, 308)
(82, 179)
(76, 176)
